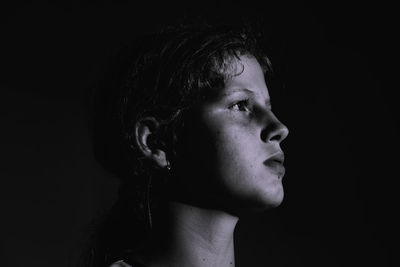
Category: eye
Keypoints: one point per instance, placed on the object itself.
(242, 105)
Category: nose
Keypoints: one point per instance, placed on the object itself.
(274, 130)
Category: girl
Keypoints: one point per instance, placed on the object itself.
(189, 130)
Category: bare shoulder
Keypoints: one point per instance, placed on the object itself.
(120, 264)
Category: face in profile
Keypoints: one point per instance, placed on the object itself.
(231, 157)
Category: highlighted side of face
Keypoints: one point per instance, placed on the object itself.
(230, 157)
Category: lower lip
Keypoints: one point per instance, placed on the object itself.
(276, 167)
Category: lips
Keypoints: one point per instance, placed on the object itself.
(278, 157)
(275, 164)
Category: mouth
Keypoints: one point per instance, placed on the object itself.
(275, 164)
(278, 157)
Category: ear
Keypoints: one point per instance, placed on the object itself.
(146, 140)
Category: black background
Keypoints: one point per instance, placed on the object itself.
(339, 102)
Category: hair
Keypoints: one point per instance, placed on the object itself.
(162, 75)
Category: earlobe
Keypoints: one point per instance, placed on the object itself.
(146, 140)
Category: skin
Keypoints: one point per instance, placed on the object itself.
(227, 143)
(225, 169)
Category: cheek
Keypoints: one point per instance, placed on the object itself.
(217, 152)
(225, 160)
(231, 144)
(241, 171)
(237, 143)
(237, 158)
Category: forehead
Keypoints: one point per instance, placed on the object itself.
(249, 75)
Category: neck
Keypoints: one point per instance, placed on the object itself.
(194, 237)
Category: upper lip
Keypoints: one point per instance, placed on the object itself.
(278, 157)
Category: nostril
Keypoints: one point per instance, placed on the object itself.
(281, 133)
(274, 132)
(277, 137)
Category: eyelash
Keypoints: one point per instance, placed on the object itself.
(240, 105)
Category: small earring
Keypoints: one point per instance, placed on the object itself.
(168, 166)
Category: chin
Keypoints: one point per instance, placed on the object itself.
(261, 203)
(270, 200)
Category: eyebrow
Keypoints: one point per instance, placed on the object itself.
(232, 91)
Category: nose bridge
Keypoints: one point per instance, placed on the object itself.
(273, 128)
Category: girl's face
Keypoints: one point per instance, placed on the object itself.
(231, 157)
